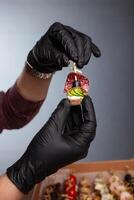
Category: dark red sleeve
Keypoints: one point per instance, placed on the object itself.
(16, 111)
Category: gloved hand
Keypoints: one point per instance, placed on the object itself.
(65, 138)
(59, 45)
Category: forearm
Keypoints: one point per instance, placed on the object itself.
(32, 88)
(22, 101)
(8, 191)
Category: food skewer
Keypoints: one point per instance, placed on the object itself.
(76, 83)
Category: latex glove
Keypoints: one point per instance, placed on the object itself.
(59, 45)
(65, 138)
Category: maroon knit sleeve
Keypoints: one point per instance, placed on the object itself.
(15, 110)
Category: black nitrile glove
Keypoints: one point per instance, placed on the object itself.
(59, 45)
(65, 138)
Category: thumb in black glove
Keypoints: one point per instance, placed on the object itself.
(65, 138)
(60, 44)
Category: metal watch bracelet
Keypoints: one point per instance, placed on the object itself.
(37, 74)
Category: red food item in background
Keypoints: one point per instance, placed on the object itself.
(72, 193)
(72, 178)
(84, 82)
(71, 181)
(70, 187)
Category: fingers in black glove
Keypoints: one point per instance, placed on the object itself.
(60, 44)
(88, 127)
(46, 57)
(95, 50)
(60, 115)
(84, 45)
(65, 138)
(65, 42)
(81, 122)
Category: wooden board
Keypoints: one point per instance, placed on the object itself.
(90, 167)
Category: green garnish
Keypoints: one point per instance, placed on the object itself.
(76, 91)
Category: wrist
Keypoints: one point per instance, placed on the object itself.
(34, 72)
(31, 87)
(11, 189)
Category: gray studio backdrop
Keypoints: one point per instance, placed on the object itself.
(111, 25)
